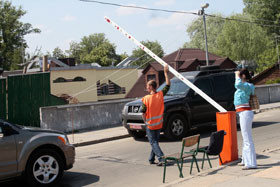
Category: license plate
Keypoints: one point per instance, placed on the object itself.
(135, 126)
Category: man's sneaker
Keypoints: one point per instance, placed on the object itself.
(152, 162)
(160, 163)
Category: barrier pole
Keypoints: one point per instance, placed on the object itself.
(172, 70)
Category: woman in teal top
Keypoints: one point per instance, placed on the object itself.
(241, 101)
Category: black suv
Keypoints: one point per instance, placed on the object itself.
(185, 109)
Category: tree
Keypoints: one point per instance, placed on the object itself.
(12, 32)
(97, 48)
(58, 53)
(267, 59)
(144, 58)
(195, 31)
(242, 41)
(74, 51)
(266, 10)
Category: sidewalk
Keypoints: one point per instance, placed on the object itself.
(98, 136)
(270, 106)
(267, 174)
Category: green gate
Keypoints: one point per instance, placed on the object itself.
(3, 98)
(26, 94)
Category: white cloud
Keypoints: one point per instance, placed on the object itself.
(165, 2)
(123, 11)
(69, 18)
(180, 20)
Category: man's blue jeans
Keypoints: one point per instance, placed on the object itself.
(153, 137)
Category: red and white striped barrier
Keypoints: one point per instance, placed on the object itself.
(172, 70)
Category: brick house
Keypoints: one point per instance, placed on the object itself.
(271, 73)
(186, 59)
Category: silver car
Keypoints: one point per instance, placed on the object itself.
(40, 156)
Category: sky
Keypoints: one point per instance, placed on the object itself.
(63, 21)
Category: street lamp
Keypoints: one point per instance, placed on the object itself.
(202, 12)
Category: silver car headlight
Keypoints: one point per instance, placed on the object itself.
(63, 139)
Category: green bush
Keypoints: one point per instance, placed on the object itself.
(275, 81)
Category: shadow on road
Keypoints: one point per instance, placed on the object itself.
(257, 124)
(259, 156)
(69, 179)
(76, 179)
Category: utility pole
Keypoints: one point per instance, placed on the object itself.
(202, 12)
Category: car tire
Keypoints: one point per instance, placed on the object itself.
(44, 168)
(176, 127)
(137, 134)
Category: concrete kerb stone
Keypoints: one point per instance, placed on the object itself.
(266, 109)
(271, 150)
(200, 174)
(101, 140)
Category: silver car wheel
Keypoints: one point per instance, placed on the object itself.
(45, 169)
(177, 127)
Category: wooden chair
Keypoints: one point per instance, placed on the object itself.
(179, 157)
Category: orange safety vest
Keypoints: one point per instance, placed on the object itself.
(155, 109)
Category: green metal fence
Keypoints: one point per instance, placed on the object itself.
(26, 94)
(3, 99)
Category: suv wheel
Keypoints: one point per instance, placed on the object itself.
(136, 134)
(176, 127)
(45, 168)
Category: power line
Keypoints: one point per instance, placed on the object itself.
(139, 7)
(243, 21)
(256, 21)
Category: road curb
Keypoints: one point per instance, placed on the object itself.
(201, 174)
(271, 150)
(101, 140)
(266, 109)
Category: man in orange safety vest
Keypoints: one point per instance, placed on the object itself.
(153, 108)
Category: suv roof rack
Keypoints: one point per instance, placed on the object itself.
(212, 70)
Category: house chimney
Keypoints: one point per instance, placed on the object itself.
(45, 63)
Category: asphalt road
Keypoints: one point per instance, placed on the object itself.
(125, 162)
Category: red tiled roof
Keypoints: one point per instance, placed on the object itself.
(190, 53)
(225, 63)
(219, 61)
(184, 54)
(187, 63)
(157, 66)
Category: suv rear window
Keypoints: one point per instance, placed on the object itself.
(205, 85)
(221, 84)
